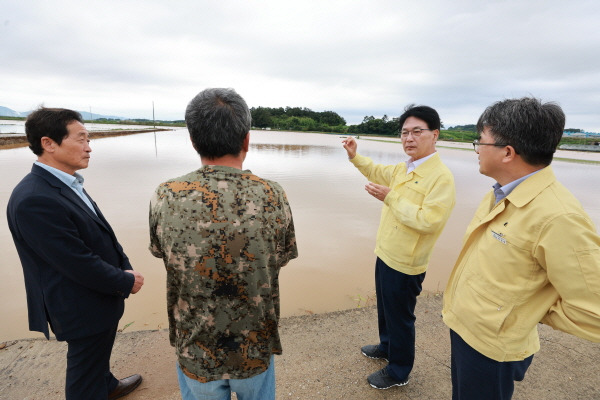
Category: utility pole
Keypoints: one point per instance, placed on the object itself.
(154, 123)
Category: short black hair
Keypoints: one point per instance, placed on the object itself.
(531, 127)
(218, 121)
(50, 122)
(427, 114)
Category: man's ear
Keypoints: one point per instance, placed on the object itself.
(509, 154)
(193, 144)
(246, 143)
(48, 144)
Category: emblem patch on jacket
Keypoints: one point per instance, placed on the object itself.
(498, 237)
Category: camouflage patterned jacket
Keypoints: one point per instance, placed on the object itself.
(223, 234)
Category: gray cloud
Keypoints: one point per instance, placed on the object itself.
(356, 58)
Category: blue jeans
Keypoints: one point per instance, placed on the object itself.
(259, 387)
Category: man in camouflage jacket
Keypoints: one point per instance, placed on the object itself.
(223, 234)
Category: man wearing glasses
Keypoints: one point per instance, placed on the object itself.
(531, 254)
(418, 196)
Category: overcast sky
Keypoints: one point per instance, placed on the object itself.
(356, 58)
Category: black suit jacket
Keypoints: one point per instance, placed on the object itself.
(72, 262)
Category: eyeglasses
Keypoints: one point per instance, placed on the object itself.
(416, 132)
(476, 145)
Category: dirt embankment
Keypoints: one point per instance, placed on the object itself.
(321, 360)
(11, 142)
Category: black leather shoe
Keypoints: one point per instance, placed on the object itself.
(125, 386)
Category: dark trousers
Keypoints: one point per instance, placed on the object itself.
(475, 376)
(396, 300)
(88, 367)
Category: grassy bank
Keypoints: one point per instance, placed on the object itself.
(448, 145)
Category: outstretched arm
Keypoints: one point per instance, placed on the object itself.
(350, 145)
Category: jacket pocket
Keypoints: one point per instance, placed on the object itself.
(482, 314)
(399, 242)
(589, 262)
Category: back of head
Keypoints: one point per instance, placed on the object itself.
(218, 121)
(531, 127)
(425, 113)
(50, 122)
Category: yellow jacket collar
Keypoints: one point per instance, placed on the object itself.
(531, 187)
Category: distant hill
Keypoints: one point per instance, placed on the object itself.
(8, 112)
(468, 128)
(93, 116)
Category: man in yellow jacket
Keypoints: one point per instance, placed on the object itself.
(418, 196)
(531, 254)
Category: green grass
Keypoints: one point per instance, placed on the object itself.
(574, 160)
(565, 159)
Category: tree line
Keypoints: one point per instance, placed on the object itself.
(297, 119)
(305, 119)
(377, 126)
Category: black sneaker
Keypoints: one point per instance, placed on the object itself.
(372, 351)
(381, 380)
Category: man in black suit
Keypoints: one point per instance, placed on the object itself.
(76, 273)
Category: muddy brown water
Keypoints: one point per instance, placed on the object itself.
(336, 220)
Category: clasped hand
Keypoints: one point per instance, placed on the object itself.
(138, 282)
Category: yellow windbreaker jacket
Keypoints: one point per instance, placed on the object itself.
(414, 211)
(533, 257)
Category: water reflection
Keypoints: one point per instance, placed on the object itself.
(336, 220)
(18, 126)
(291, 150)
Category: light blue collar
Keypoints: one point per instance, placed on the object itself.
(501, 192)
(69, 180)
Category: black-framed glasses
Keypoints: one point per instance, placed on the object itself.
(476, 145)
(416, 132)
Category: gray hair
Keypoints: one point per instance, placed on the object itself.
(531, 127)
(218, 120)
